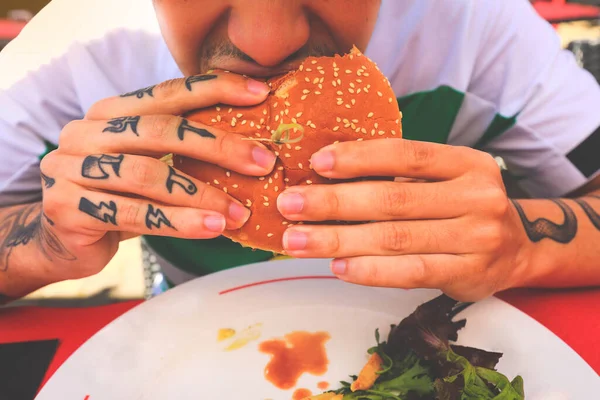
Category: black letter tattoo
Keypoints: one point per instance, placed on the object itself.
(104, 212)
(48, 182)
(543, 228)
(198, 78)
(181, 181)
(140, 92)
(119, 125)
(185, 126)
(23, 226)
(94, 167)
(589, 211)
(155, 217)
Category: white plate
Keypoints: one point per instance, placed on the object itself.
(166, 348)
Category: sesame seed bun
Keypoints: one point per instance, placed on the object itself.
(327, 100)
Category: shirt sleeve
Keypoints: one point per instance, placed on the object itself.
(548, 128)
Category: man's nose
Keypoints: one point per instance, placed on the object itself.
(269, 31)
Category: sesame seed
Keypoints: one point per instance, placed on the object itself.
(265, 111)
(276, 118)
(348, 106)
(261, 178)
(248, 203)
(353, 101)
(257, 134)
(235, 186)
(393, 132)
(233, 122)
(363, 130)
(359, 80)
(317, 92)
(280, 168)
(300, 165)
(314, 62)
(348, 71)
(218, 108)
(270, 180)
(309, 122)
(265, 198)
(287, 155)
(213, 120)
(339, 81)
(258, 127)
(334, 64)
(275, 105)
(382, 132)
(225, 189)
(352, 85)
(338, 119)
(240, 115)
(301, 68)
(376, 125)
(308, 69)
(299, 114)
(287, 104)
(303, 97)
(359, 139)
(269, 235)
(289, 146)
(284, 222)
(262, 121)
(359, 72)
(257, 227)
(366, 74)
(216, 182)
(379, 94)
(320, 85)
(286, 179)
(315, 81)
(373, 132)
(307, 79)
(266, 186)
(340, 102)
(309, 182)
(294, 120)
(287, 111)
(366, 90)
(266, 204)
(358, 90)
(355, 121)
(346, 120)
(322, 72)
(230, 111)
(227, 173)
(390, 100)
(336, 128)
(336, 74)
(319, 68)
(321, 80)
(276, 188)
(219, 118)
(276, 175)
(334, 84)
(357, 130)
(370, 115)
(277, 153)
(352, 126)
(306, 91)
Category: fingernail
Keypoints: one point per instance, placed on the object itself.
(214, 223)
(238, 212)
(290, 203)
(263, 158)
(322, 161)
(339, 267)
(294, 240)
(257, 87)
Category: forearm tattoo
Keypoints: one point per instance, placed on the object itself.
(24, 226)
(197, 78)
(589, 211)
(140, 93)
(179, 180)
(99, 167)
(105, 212)
(543, 228)
(48, 182)
(186, 127)
(120, 125)
(156, 218)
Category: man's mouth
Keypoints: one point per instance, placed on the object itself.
(253, 70)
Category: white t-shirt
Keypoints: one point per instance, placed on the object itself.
(487, 74)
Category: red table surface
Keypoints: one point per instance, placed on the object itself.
(573, 315)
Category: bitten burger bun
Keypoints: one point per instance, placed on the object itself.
(327, 100)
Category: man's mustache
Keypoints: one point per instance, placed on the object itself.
(227, 49)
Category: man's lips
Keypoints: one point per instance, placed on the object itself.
(254, 70)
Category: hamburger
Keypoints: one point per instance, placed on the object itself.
(325, 101)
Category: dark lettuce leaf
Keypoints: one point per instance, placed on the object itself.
(478, 357)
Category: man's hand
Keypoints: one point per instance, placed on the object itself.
(106, 181)
(452, 227)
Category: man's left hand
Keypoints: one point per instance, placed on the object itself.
(449, 225)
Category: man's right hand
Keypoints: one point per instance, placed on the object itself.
(106, 182)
